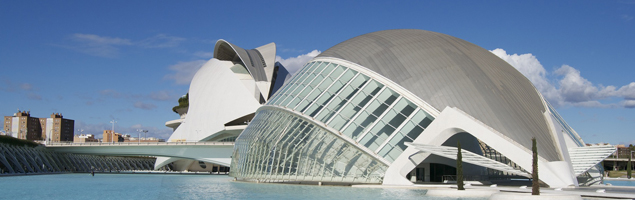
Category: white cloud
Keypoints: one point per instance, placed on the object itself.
(592, 104)
(161, 41)
(34, 96)
(204, 54)
(628, 103)
(575, 88)
(26, 86)
(104, 46)
(110, 93)
(145, 106)
(293, 64)
(627, 17)
(98, 45)
(569, 87)
(162, 96)
(627, 91)
(100, 40)
(184, 71)
(529, 66)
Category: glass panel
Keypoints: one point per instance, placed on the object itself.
(302, 106)
(377, 108)
(320, 67)
(414, 132)
(348, 111)
(405, 107)
(348, 75)
(333, 107)
(325, 84)
(306, 91)
(308, 78)
(424, 123)
(294, 101)
(422, 119)
(418, 117)
(338, 122)
(313, 95)
(396, 120)
(336, 87)
(336, 73)
(359, 81)
(382, 132)
(387, 96)
(372, 88)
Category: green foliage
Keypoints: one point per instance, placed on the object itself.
(183, 102)
(17, 142)
(535, 184)
(459, 167)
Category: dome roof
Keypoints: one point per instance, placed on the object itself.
(447, 71)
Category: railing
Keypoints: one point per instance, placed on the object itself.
(54, 144)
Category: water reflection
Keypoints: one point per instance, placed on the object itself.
(139, 186)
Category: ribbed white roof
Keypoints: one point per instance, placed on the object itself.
(447, 71)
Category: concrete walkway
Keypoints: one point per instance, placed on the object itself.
(616, 192)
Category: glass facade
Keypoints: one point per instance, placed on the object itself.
(280, 146)
(373, 115)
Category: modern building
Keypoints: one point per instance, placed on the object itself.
(223, 97)
(389, 107)
(54, 129)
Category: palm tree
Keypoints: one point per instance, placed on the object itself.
(535, 186)
(459, 167)
(628, 166)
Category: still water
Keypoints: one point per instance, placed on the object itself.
(155, 186)
(621, 183)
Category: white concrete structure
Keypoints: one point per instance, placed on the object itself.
(225, 93)
(217, 153)
(383, 106)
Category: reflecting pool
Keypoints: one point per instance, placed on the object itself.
(621, 182)
(155, 186)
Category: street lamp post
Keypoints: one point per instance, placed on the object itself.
(141, 130)
(112, 134)
(145, 134)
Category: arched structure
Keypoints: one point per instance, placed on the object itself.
(372, 108)
(224, 94)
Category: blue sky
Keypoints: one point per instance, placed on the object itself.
(94, 61)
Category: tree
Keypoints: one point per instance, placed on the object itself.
(628, 166)
(459, 167)
(535, 185)
(184, 101)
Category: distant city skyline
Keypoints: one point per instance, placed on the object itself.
(131, 61)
